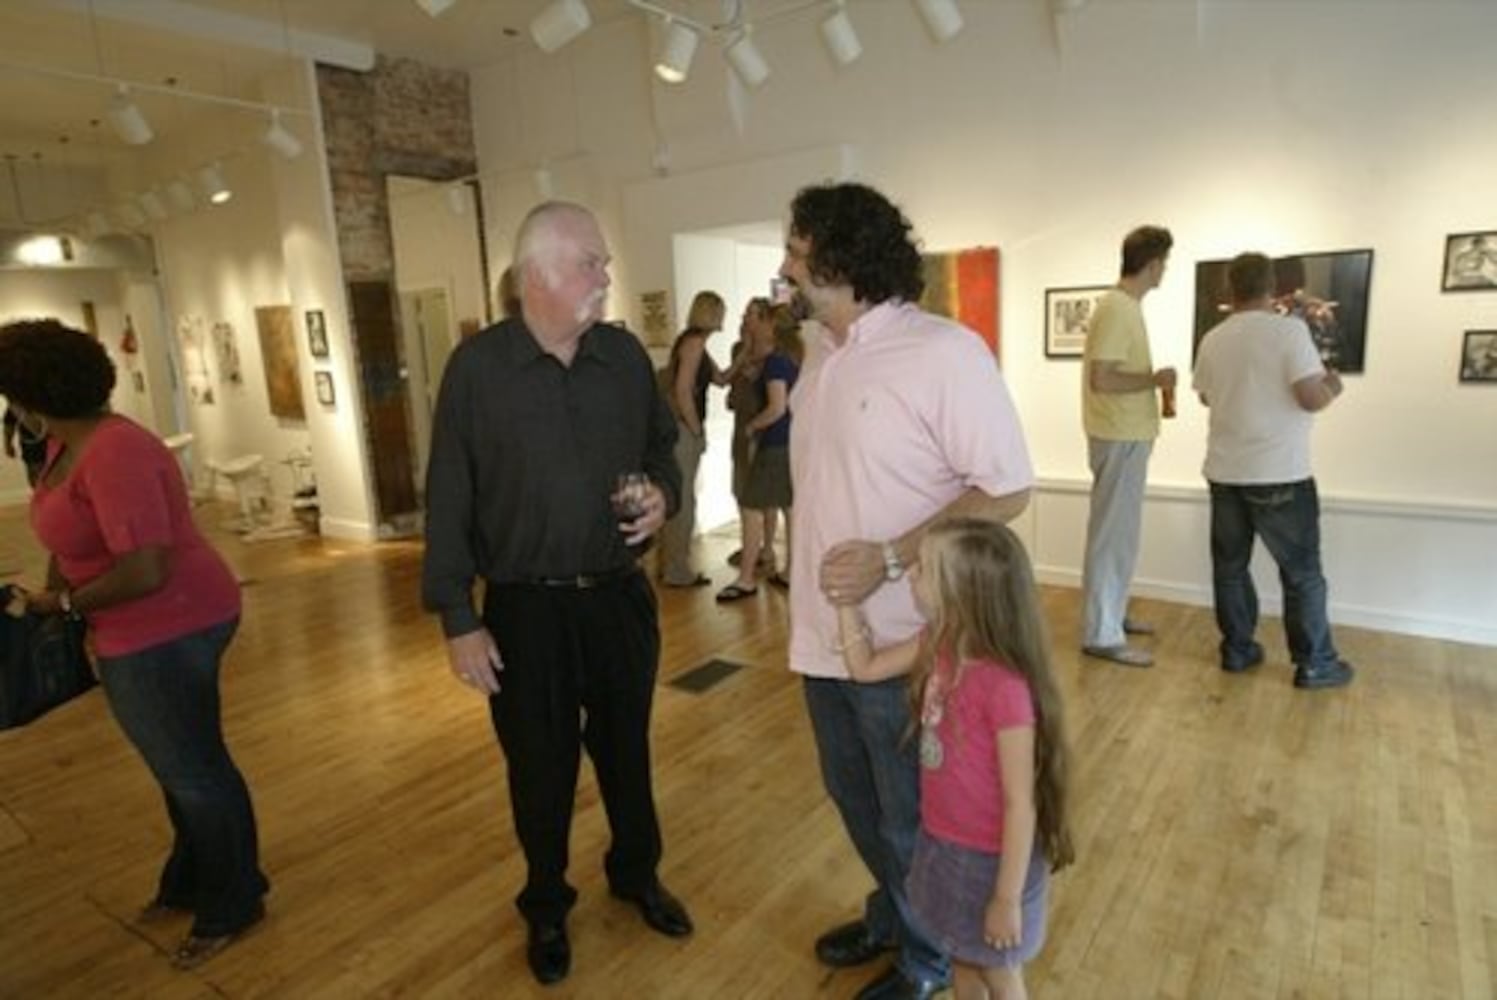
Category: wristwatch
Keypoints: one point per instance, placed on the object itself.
(893, 568)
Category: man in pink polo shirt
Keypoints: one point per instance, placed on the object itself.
(901, 419)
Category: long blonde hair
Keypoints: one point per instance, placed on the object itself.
(987, 608)
(787, 338)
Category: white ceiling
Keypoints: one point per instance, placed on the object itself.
(51, 124)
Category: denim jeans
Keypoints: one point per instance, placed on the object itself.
(1287, 517)
(165, 698)
(870, 765)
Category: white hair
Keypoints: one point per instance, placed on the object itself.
(540, 239)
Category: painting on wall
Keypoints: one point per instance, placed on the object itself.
(654, 318)
(324, 383)
(317, 333)
(90, 319)
(226, 349)
(191, 337)
(1479, 356)
(1068, 317)
(1470, 262)
(963, 285)
(278, 352)
(1328, 291)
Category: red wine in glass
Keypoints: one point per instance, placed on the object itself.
(629, 496)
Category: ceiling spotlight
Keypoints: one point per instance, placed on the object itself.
(214, 187)
(281, 139)
(128, 123)
(559, 23)
(179, 193)
(41, 251)
(435, 8)
(151, 204)
(941, 17)
(675, 57)
(841, 40)
(743, 55)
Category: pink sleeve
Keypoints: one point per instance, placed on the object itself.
(125, 479)
(979, 429)
(1009, 700)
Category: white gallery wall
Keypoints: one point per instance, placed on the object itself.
(1239, 124)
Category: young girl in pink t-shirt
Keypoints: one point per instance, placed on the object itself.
(992, 751)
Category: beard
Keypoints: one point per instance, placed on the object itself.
(590, 309)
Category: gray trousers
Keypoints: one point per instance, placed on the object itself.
(1119, 472)
(675, 537)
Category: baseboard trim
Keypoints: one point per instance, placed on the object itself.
(346, 529)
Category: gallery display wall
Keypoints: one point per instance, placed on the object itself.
(1285, 128)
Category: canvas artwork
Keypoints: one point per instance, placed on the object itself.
(1068, 318)
(655, 320)
(963, 285)
(1470, 262)
(324, 383)
(1329, 291)
(193, 340)
(317, 333)
(226, 349)
(278, 352)
(1479, 356)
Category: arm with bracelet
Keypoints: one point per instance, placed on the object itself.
(866, 664)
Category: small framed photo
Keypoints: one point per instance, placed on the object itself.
(1479, 356)
(1068, 316)
(316, 333)
(324, 384)
(1470, 262)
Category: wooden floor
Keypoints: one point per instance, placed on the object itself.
(1237, 839)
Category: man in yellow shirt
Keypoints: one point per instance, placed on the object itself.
(1121, 417)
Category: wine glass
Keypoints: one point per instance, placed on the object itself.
(629, 491)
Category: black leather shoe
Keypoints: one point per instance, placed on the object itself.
(849, 945)
(1332, 675)
(549, 953)
(893, 985)
(1238, 664)
(662, 911)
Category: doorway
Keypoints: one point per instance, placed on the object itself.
(427, 319)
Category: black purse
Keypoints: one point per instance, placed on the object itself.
(43, 664)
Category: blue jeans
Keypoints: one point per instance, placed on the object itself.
(1287, 517)
(869, 764)
(165, 698)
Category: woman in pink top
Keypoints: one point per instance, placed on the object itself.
(112, 509)
(992, 751)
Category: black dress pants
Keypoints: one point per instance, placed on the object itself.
(579, 670)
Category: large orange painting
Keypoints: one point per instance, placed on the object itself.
(963, 285)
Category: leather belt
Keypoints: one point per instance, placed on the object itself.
(582, 581)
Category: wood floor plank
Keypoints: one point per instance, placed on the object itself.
(1236, 838)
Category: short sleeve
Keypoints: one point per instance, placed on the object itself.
(1111, 332)
(778, 368)
(976, 422)
(125, 477)
(1302, 357)
(1010, 704)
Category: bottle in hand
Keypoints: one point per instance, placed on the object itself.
(1167, 401)
(629, 496)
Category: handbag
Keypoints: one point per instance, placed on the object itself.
(43, 664)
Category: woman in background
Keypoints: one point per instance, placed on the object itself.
(111, 507)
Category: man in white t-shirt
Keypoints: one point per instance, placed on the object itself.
(1261, 377)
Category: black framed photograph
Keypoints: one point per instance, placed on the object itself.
(1068, 317)
(316, 333)
(1328, 291)
(324, 383)
(1479, 356)
(1470, 262)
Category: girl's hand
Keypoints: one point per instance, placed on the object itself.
(1002, 924)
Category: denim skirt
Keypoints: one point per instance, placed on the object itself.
(949, 887)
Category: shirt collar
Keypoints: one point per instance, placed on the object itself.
(528, 349)
(876, 321)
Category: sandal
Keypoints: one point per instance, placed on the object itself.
(193, 950)
(156, 912)
(700, 580)
(733, 592)
(1128, 656)
(779, 580)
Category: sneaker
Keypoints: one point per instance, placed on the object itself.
(1337, 674)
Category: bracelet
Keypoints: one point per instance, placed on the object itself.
(864, 637)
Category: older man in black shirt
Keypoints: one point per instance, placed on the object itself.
(537, 419)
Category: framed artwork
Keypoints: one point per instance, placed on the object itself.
(1479, 356)
(1068, 317)
(282, 371)
(324, 383)
(1470, 262)
(138, 381)
(316, 333)
(1329, 291)
(226, 347)
(963, 285)
(90, 319)
(655, 320)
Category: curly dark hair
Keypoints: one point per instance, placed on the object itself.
(51, 369)
(859, 238)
